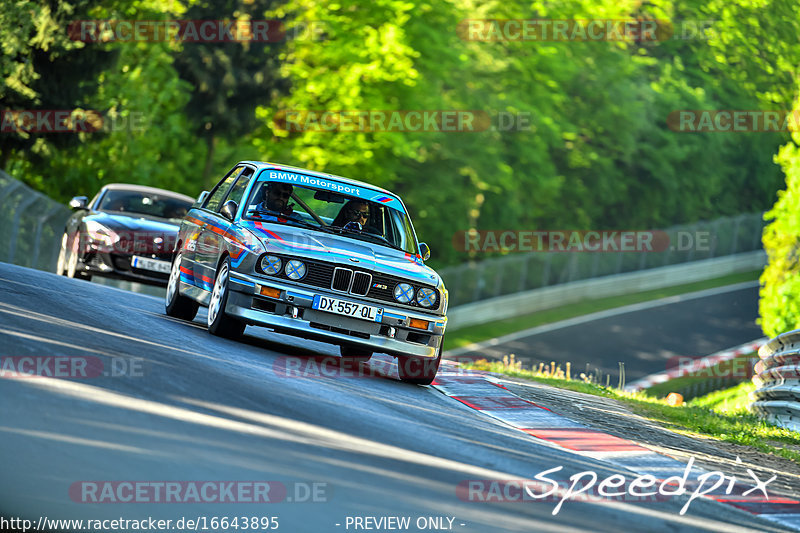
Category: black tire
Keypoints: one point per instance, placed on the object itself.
(419, 370)
(219, 322)
(351, 352)
(61, 264)
(175, 304)
(71, 256)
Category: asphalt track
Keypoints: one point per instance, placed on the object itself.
(199, 408)
(645, 337)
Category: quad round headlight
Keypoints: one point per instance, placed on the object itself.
(271, 264)
(426, 297)
(295, 269)
(404, 293)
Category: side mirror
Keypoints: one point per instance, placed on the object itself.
(229, 210)
(201, 198)
(425, 251)
(79, 202)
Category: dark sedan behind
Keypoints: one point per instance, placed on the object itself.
(125, 232)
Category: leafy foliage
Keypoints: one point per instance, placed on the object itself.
(596, 151)
(42, 68)
(779, 305)
(228, 79)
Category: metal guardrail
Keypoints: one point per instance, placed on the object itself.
(32, 225)
(521, 272)
(777, 380)
(523, 303)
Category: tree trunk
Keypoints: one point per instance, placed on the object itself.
(5, 155)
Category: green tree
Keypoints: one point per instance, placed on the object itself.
(43, 68)
(779, 304)
(228, 79)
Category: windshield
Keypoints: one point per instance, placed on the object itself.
(331, 212)
(141, 203)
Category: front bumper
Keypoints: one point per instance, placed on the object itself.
(292, 313)
(118, 266)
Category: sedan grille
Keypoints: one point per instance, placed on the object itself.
(341, 279)
(361, 283)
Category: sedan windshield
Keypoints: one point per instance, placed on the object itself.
(331, 212)
(141, 203)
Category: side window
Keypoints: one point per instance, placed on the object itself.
(237, 191)
(214, 201)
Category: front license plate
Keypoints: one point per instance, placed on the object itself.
(150, 264)
(351, 309)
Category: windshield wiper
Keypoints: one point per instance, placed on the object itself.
(383, 240)
(357, 234)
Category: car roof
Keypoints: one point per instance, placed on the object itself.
(277, 166)
(145, 189)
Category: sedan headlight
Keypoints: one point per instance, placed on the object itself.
(404, 293)
(295, 269)
(426, 297)
(100, 233)
(271, 264)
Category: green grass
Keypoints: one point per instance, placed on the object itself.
(490, 330)
(734, 425)
(732, 371)
(731, 400)
(720, 415)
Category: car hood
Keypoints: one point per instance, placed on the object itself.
(135, 223)
(345, 251)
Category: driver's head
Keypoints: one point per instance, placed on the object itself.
(278, 195)
(357, 211)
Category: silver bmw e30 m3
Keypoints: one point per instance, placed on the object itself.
(313, 255)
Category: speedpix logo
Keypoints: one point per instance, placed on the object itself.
(588, 486)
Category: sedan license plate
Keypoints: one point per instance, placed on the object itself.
(351, 309)
(150, 264)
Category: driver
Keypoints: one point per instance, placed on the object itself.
(276, 199)
(352, 211)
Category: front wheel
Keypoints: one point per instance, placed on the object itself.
(71, 258)
(61, 265)
(219, 322)
(419, 370)
(177, 305)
